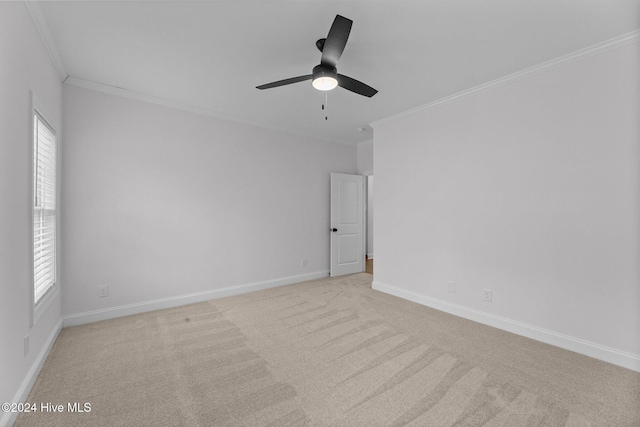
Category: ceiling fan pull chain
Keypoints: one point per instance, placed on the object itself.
(325, 106)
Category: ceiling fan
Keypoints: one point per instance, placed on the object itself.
(325, 76)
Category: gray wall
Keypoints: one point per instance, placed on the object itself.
(365, 158)
(161, 203)
(531, 189)
(24, 67)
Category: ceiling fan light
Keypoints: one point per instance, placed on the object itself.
(325, 83)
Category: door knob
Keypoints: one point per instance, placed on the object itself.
(334, 229)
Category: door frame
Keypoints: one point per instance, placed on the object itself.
(366, 175)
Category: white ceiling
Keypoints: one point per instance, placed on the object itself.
(208, 56)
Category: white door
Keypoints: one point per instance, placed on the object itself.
(347, 224)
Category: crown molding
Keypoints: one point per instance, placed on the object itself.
(578, 55)
(42, 26)
(126, 93)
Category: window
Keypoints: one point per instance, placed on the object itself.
(44, 210)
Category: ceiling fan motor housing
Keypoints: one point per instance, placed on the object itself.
(324, 71)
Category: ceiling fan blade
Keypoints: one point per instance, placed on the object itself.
(285, 82)
(355, 86)
(336, 41)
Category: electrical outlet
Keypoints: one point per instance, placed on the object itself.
(103, 291)
(304, 262)
(488, 295)
(452, 287)
(26, 345)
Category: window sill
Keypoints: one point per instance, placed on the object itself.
(44, 303)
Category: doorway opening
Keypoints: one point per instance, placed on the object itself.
(369, 226)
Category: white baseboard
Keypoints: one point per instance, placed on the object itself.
(143, 307)
(597, 351)
(370, 256)
(8, 418)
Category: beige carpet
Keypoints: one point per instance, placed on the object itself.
(330, 352)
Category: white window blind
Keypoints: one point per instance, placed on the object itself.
(44, 207)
